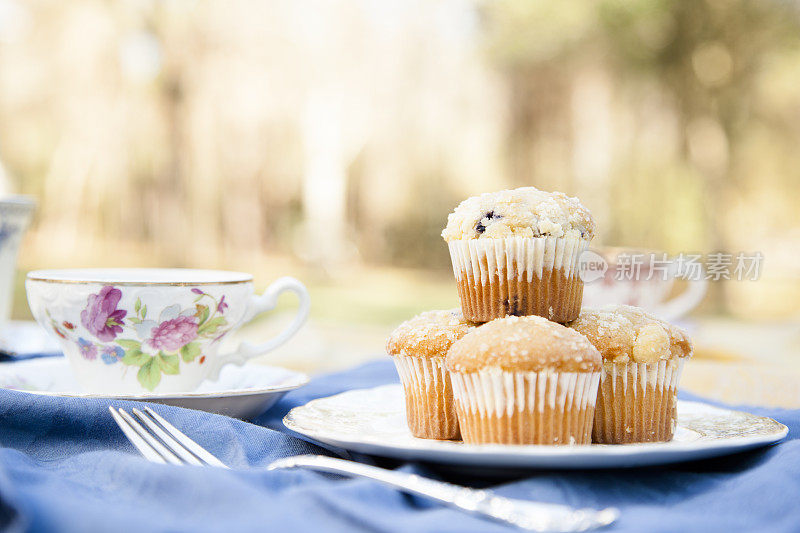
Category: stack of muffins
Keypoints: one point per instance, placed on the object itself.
(520, 362)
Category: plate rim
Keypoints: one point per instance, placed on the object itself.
(299, 379)
(452, 451)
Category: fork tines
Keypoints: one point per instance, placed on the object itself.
(159, 441)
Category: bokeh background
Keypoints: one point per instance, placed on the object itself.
(329, 139)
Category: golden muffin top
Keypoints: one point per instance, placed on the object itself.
(523, 212)
(624, 334)
(523, 343)
(429, 334)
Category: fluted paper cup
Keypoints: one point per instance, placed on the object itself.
(637, 402)
(430, 410)
(525, 407)
(518, 276)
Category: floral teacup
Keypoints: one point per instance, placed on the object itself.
(142, 330)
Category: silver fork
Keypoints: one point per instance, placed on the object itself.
(160, 442)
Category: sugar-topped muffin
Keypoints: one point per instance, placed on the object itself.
(418, 348)
(642, 361)
(523, 212)
(515, 252)
(524, 380)
(528, 344)
(623, 333)
(429, 334)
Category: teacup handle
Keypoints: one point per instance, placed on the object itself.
(686, 301)
(260, 304)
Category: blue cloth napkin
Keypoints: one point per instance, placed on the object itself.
(64, 466)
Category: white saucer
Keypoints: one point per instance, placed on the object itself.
(373, 421)
(241, 391)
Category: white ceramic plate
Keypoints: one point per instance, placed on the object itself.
(241, 391)
(372, 421)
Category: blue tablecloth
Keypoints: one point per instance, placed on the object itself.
(64, 466)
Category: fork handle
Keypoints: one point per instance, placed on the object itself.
(532, 516)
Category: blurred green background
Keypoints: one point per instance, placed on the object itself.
(329, 139)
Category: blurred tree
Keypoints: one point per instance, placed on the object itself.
(703, 59)
(205, 134)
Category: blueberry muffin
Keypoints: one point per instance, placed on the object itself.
(642, 362)
(418, 348)
(515, 252)
(524, 380)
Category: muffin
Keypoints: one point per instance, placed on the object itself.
(418, 348)
(642, 362)
(524, 380)
(516, 252)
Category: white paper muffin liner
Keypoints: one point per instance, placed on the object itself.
(517, 257)
(545, 407)
(430, 410)
(637, 402)
(518, 276)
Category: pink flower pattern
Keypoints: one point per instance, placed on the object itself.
(172, 335)
(136, 339)
(101, 316)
